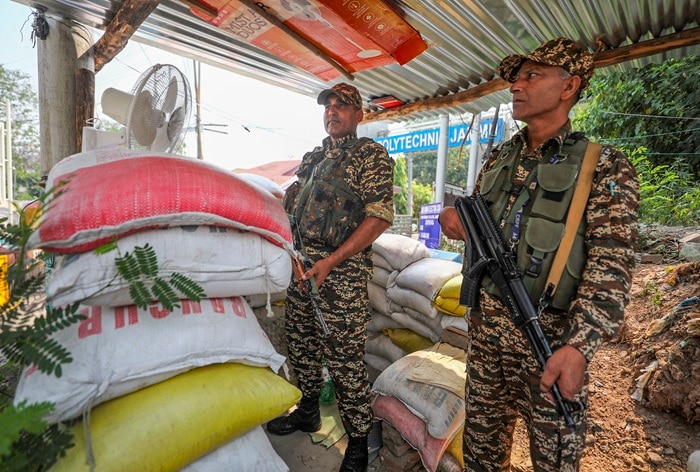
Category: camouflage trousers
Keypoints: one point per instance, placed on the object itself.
(503, 384)
(344, 302)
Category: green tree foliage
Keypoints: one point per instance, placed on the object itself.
(401, 181)
(651, 114)
(15, 87)
(456, 168)
(422, 193)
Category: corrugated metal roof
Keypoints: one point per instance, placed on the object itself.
(466, 41)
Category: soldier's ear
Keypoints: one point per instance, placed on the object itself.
(573, 83)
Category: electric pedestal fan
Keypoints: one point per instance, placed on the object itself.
(155, 113)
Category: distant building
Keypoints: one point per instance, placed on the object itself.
(283, 173)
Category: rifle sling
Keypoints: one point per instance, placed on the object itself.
(573, 218)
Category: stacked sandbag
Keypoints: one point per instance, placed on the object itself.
(171, 424)
(422, 396)
(391, 253)
(264, 297)
(252, 451)
(223, 261)
(118, 350)
(138, 372)
(447, 302)
(412, 291)
(106, 194)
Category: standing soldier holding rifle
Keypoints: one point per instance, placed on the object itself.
(528, 188)
(342, 201)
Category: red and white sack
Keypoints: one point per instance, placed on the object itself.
(110, 193)
(225, 262)
(120, 350)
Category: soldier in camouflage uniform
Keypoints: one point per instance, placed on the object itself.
(503, 377)
(341, 202)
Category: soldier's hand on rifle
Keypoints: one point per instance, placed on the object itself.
(319, 271)
(451, 225)
(566, 367)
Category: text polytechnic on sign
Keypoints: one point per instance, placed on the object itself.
(427, 139)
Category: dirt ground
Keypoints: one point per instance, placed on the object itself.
(658, 431)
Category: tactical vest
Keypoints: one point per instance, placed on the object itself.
(536, 221)
(324, 207)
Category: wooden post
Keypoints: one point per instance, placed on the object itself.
(58, 59)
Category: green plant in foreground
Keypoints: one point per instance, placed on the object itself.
(652, 290)
(27, 442)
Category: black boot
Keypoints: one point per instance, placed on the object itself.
(356, 455)
(307, 418)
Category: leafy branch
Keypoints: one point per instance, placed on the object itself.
(27, 324)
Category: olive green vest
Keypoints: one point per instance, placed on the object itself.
(326, 210)
(535, 224)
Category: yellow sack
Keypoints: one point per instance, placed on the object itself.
(168, 425)
(408, 340)
(447, 299)
(455, 447)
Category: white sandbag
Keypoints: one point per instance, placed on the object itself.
(440, 409)
(431, 318)
(380, 275)
(376, 362)
(427, 276)
(266, 184)
(123, 349)
(444, 367)
(408, 322)
(399, 251)
(383, 347)
(225, 262)
(406, 297)
(455, 321)
(250, 452)
(432, 321)
(378, 299)
(379, 261)
(379, 321)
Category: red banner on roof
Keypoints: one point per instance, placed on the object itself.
(319, 36)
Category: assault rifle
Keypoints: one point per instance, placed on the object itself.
(310, 289)
(486, 253)
(299, 269)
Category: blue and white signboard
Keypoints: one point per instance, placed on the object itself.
(429, 227)
(427, 139)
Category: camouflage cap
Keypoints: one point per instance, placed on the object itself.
(346, 93)
(561, 52)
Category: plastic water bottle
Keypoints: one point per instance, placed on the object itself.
(327, 390)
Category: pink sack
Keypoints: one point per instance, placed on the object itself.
(413, 430)
(110, 194)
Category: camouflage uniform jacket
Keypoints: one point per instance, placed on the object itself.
(351, 180)
(610, 236)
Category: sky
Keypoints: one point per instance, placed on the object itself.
(264, 123)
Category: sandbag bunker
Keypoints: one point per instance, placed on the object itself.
(171, 387)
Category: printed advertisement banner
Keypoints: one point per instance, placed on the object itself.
(357, 34)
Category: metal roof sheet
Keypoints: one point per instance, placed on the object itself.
(466, 39)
